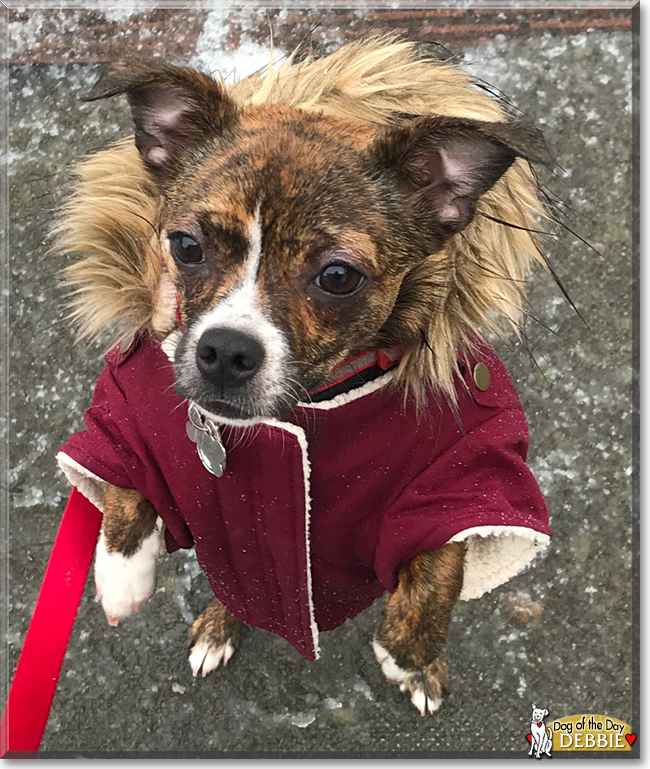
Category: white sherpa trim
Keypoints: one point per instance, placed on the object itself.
(299, 433)
(306, 472)
(89, 484)
(221, 420)
(358, 392)
(495, 554)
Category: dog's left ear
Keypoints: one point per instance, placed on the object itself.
(175, 110)
(545, 712)
(445, 164)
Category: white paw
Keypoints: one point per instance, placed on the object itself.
(408, 681)
(425, 704)
(124, 584)
(206, 657)
(393, 672)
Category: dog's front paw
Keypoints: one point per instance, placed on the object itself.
(213, 639)
(124, 583)
(428, 687)
(205, 656)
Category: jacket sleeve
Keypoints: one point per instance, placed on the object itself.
(102, 453)
(479, 490)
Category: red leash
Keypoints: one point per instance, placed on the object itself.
(37, 674)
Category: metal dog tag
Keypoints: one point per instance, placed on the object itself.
(192, 432)
(205, 434)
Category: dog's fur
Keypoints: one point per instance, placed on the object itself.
(378, 156)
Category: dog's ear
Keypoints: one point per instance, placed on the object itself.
(175, 110)
(445, 164)
(545, 712)
(534, 707)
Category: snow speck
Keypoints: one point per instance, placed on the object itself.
(302, 720)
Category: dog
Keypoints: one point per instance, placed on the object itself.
(541, 739)
(297, 270)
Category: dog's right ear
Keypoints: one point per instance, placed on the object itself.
(175, 110)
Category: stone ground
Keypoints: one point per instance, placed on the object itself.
(559, 635)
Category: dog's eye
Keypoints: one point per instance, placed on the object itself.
(184, 248)
(340, 279)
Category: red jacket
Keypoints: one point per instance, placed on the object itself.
(314, 516)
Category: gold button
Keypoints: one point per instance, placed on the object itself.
(481, 376)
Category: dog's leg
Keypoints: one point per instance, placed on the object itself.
(213, 638)
(536, 746)
(413, 632)
(129, 544)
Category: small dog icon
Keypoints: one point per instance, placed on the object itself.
(541, 741)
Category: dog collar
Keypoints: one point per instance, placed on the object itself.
(357, 371)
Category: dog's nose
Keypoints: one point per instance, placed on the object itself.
(227, 358)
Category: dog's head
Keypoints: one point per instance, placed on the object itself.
(539, 714)
(290, 235)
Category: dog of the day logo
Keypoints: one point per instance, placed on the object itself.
(586, 732)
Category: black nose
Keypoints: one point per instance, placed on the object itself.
(227, 358)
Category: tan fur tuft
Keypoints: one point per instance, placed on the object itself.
(477, 283)
(112, 218)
